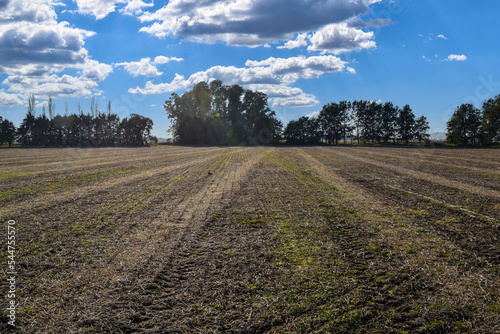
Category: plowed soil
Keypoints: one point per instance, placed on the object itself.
(253, 240)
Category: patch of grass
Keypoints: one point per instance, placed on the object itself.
(448, 222)
(494, 308)
(373, 248)
(433, 325)
(418, 212)
(77, 229)
(17, 193)
(36, 248)
(7, 176)
(58, 184)
(306, 177)
(253, 222)
(484, 173)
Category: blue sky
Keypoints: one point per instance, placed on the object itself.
(432, 55)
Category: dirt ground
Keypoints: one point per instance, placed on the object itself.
(253, 240)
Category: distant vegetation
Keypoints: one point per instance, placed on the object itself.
(470, 126)
(95, 128)
(7, 132)
(215, 114)
(363, 121)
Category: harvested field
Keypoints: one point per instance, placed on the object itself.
(267, 239)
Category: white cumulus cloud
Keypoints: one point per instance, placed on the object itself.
(453, 57)
(9, 100)
(248, 22)
(273, 76)
(102, 8)
(285, 96)
(163, 60)
(99, 8)
(146, 67)
(143, 67)
(314, 114)
(134, 7)
(35, 48)
(53, 85)
(300, 41)
(302, 100)
(93, 70)
(339, 38)
(179, 83)
(32, 41)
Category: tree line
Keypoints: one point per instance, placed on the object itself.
(95, 128)
(362, 121)
(216, 114)
(472, 126)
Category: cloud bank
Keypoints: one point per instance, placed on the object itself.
(327, 26)
(272, 76)
(35, 47)
(40, 54)
(248, 22)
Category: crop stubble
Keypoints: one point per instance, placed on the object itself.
(313, 239)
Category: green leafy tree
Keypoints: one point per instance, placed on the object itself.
(25, 132)
(491, 121)
(373, 127)
(360, 119)
(334, 121)
(421, 129)
(42, 131)
(388, 122)
(136, 130)
(261, 125)
(464, 126)
(234, 96)
(58, 124)
(72, 130)
(7, 132)
(293, 132)
(214, 114)
(110, 129)
(79, 129)
(367, 117)
(304, 131)
(406, 124)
